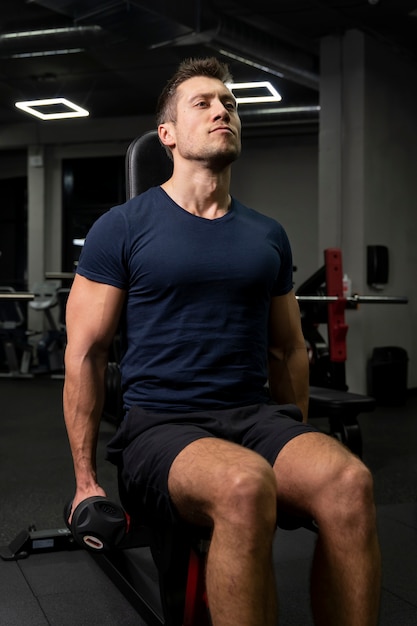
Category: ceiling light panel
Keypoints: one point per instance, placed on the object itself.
(52, 108)
(254, 92)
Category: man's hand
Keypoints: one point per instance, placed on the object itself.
(83, 495)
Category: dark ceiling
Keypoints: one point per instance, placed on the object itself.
(116, 55)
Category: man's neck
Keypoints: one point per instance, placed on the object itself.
(201, 193)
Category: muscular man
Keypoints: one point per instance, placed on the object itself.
(202, 289)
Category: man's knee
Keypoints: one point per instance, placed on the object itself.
(249, 494)
(349, 496)
(225, 483)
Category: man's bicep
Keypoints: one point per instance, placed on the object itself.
(93, 312)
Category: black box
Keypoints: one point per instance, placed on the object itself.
(387, 375)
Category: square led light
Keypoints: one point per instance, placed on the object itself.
(53, 108)
(262, 91)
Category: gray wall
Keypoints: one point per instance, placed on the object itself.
(390, 195)
(368, 187)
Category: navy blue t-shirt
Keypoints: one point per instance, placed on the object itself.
(194, 329)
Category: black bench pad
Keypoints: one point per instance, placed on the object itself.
(326, 402)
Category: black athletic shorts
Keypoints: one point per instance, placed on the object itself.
(147, 443)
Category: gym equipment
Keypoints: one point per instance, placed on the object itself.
(322, 301)
(59, 275)
(387, 375)
(17, 353)
(103, 528)
(50, 347)
(33, 541)
(8, 293)
(97, 523)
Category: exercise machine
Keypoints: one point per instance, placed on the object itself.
(16, 351)
(322, 301)
(18, 357)
(51, 345)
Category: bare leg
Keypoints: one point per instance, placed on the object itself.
(235, 489)
(316, 475)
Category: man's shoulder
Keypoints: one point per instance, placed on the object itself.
(132, 209)
(255, 216)
(151, 195)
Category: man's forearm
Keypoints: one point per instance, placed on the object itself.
(289, 378)
(83, 400)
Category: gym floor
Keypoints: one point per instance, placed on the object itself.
(66, 587)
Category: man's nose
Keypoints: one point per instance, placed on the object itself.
(220, 111)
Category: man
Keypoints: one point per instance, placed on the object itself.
(202, 288)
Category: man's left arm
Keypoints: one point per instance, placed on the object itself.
(287, 354)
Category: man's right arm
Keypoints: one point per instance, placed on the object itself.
(92, 317)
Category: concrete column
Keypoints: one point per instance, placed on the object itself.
(341, 174)
(352, 224)
(330, 146)
(53, 210)
(36, 225)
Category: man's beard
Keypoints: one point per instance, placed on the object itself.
(215, 159)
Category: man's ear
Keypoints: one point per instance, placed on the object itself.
(166, 135)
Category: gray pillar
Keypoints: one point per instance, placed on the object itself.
(36, 225)
(341, 174)
(341, 149)
(330, 145)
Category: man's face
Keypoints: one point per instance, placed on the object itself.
(207, 126)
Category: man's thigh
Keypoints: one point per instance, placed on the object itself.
(203, 475)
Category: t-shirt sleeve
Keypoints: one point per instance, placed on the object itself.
(103, 255)
(284, 282)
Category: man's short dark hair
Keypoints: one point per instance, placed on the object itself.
(189, 68)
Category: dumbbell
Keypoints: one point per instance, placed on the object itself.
(97, 524)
